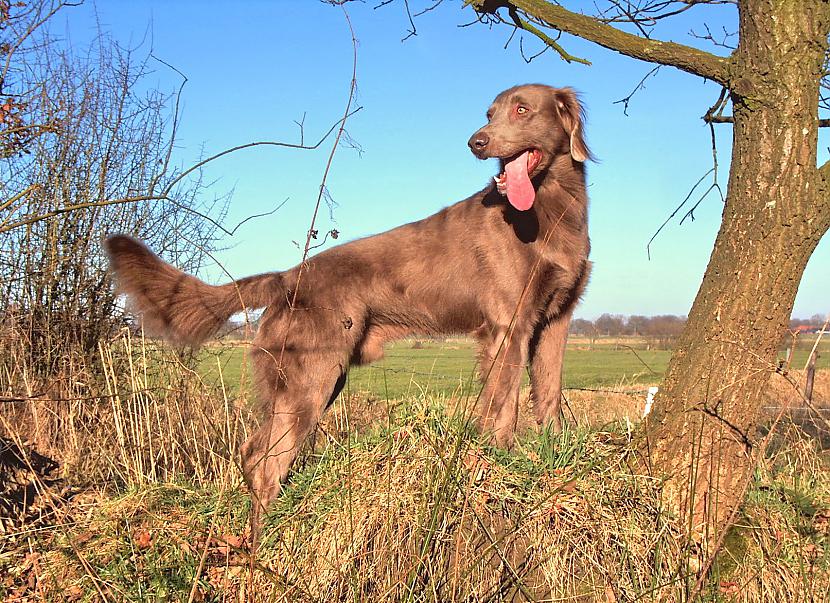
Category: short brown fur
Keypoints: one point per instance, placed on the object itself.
(511, 278)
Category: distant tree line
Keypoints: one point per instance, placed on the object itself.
(617, 325)
(663, 329)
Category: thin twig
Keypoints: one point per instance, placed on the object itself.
(637, 88)
(675, 212)
(278, 360)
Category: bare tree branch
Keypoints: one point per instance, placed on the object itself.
(429, 8)
(685, 58)
(412, 31)
(566, 56)
(644, 14)
(677, 209)
(637, 88)
(8, 225)
(490, 18)
(28, 220)
(722, 42)
(715, 186)
(714, 111)
(728, 119)
(271, 143)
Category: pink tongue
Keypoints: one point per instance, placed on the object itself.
(520, 191)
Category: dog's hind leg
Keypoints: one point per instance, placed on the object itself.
(296, 395)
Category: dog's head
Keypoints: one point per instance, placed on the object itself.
(528, 127)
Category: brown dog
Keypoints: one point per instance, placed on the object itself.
(508, 265)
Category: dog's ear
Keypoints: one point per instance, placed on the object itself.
(570, 112)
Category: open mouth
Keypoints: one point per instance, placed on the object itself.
(514, 182)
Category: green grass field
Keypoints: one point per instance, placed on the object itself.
(419, 367)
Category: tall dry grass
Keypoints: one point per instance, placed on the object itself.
(137, 413)
(394, 501)
(419, 509)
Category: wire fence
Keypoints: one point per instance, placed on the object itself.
(462, 377)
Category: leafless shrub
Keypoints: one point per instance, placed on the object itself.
(96, 159)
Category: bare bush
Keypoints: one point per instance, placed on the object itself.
(96, 159)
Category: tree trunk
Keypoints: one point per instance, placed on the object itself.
(701, 434)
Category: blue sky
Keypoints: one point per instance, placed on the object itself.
(254, 67)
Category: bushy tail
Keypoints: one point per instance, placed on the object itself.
(178, 306)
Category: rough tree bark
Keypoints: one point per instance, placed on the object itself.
(701, 434)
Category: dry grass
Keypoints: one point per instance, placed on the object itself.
(395, 501)
(436, 516)
(136, 414)
(422, 511)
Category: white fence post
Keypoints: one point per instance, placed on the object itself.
(650, 399)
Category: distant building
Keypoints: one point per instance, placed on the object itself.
(809, 330)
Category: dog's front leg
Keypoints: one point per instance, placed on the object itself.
(503, 358)
(547, 356)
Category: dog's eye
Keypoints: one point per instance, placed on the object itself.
(521, 110)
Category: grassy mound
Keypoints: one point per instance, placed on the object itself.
(421, 510)
(424, 511)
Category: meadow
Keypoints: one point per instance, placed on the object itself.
(417, 367)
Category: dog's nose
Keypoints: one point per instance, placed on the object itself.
(478, 142)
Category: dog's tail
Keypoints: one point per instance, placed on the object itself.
(178, 306)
